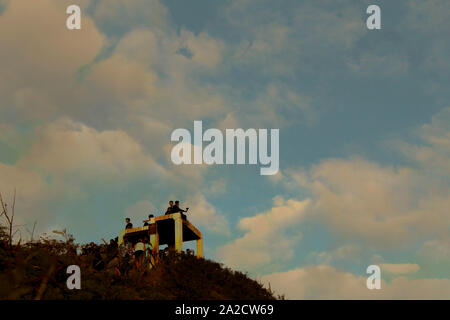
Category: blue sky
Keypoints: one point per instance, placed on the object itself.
(363, 118)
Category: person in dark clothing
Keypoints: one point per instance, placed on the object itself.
(91, 248)
(125, 248)
(129, 224)
(98, 263)
(113, 266)
(147, 221)
(176, 208)
(169, 209)
(112, 247)
(113, 244)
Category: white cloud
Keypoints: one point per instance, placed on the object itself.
(66, 148)
(434, 154)
(269, 109)
(386, 207)
(203, 214)
(205, 50)
(265, 241)
(326, 282)
(64, 76)
(399, 268)
(139, 211)
(434, 255)
(29, 185)
(39, 60)
(38, 198)
(437, 249)
(67, 160)
(344, 252)
(360, 200)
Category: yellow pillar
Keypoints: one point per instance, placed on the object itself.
(121, 234)
(200, 248)
(154, 240)
(178, 232)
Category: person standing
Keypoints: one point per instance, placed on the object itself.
(148, 251)
(146, 222)
(169, 209)
(129, 224)
(139, 251)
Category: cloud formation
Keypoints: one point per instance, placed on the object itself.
(326, 282)
(366, 207)
(385, 206)
(265, 241)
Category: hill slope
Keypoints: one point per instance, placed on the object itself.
(38, 270)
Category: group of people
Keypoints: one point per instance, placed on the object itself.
(140, 252)
(174, 207)
(117, 259)
(99, 257)
(120, 259)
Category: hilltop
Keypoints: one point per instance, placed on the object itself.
(37, 270)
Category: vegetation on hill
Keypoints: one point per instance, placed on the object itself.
(37, 270)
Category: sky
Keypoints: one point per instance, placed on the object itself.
(364, 120)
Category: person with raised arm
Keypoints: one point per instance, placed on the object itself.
(176, 208)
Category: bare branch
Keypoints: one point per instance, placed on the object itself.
(13, 206)
(31, 233)
(4, 207)
(9, 219)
